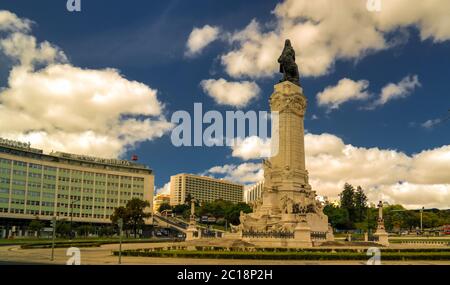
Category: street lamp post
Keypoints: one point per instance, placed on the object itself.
(120, 224)
(53, 238)
(421, 220)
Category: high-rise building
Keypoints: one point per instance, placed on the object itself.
(160, 199)
(83, 188)
(253, 192)
(204, 189)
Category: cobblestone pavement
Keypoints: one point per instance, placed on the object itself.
(103, 256)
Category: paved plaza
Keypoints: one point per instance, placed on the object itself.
(103, 256)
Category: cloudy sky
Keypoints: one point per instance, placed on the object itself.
(106, 81)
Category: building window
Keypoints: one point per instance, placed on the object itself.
(18, 192)
(20, 163)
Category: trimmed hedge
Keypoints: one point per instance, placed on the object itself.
(288, 255)
(294, 250)
(60, 245)
(93, 243)
(419, 241)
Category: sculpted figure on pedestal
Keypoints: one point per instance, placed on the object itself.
(287, 64)
(287, 205)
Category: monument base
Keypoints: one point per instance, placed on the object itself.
(383, 237)
(192, 233)
(381, 234)
(288, 214)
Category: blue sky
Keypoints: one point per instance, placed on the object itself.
(146, 42)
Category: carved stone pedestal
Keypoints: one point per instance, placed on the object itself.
(381, 233)
(192, 233)
(383, 237)
(302, 235)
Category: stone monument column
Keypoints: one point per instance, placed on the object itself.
(288, 201)
(289, 103)
(192, 230)
(381, 232)
(285, 172)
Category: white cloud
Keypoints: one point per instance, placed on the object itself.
(323, 144)
(237, 94)
(402, 89)
(200, 38)
(66, 108)
(252, 147)
(324, 31)
(431, 166)
(346, 90)
(412, 180)
(424, 176)
(164, 190)
(429, 17)
(245, 173)
(10, 22)
(415, 196)
(257, 54)
(24, 49)
(431, 123)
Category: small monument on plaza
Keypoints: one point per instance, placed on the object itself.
(192, 232)
(381, 232)
(288, 213)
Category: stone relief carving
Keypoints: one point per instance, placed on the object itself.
(295, 103)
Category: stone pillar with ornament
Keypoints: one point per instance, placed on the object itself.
(289, 203)
(192, 231)
(381, 232)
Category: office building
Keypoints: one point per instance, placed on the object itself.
(253, 192)
(78, 187)
(160, 199)
(204, 189)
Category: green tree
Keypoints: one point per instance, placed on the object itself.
(181, 209)
(394, 217)
(188, 199)
(337, 216)
(119, 213)
(136, 214)
(106, 231)
(360, 204)
(36, 226)
(347, 198)
(163, 207)
(233, 213)
(63, 228)
(85, 230)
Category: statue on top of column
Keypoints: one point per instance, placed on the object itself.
(287, 64)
